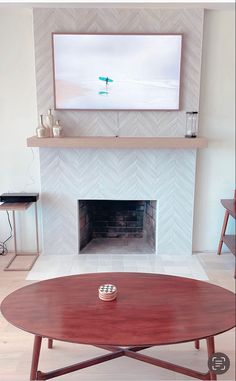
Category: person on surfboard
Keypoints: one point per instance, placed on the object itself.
(105, 79)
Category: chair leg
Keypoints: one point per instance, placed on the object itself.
(223, 232)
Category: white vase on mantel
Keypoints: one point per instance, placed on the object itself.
(49, 122)
(41, 130)
(57, 130)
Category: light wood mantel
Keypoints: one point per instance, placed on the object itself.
(117, 142)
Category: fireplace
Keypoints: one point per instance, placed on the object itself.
(166, 176)
(120, 222)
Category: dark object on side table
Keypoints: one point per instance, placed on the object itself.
(19, 197)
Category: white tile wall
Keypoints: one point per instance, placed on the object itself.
(69, 175)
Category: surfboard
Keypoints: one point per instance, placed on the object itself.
(105, 78)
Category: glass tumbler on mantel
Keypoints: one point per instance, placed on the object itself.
(191, 124)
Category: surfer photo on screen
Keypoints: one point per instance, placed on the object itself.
(107, 81)
(117, 71)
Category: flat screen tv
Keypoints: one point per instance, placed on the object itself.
(116, 71)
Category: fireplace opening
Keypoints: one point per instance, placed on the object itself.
(117, 226)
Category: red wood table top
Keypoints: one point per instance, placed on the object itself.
(150, 309)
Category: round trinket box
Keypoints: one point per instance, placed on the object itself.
(107, 292)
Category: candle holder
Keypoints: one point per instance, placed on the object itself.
(107, 292)
(191, 124)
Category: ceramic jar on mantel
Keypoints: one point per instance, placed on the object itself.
(57, 130)
(41, 130)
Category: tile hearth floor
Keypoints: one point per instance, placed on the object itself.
(16, 345)
(51, 266)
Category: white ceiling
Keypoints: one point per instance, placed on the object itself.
(221, 5)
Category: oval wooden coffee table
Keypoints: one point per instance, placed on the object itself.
(150, 310)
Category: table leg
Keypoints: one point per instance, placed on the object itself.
(50, 343)
(36, 226)
(197, 344)
(35, 357)
(210, 351)
(131, 352)
(14, 231)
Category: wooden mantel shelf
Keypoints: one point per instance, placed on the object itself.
(117, 142)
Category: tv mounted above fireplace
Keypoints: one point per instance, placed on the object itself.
(116, 71)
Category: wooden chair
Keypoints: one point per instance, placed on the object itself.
(228, 240)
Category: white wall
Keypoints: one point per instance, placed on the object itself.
(216, 165)
(18, 114)
(18, 119)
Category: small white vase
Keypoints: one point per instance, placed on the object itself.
(57, 130)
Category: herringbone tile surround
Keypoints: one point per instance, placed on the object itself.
(167, 176)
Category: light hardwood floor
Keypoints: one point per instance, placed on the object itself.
(16, 345)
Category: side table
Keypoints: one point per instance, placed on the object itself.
(15, 207)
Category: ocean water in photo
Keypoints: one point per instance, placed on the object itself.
(119, 94)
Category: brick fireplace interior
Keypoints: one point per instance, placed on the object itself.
(116, 224)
